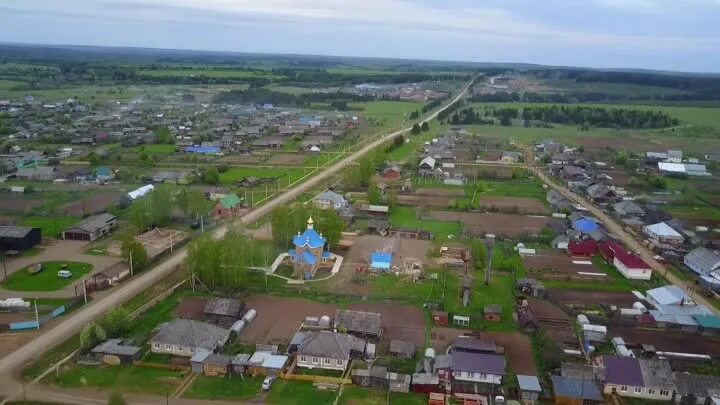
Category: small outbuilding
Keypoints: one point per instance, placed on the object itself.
(18, 238)
(492, 313)
(224, 311)
(402, 349)
(91, 228)
(529, 387)
(117, 351)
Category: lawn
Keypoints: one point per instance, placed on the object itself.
(47, 279)
(50, 227)
(388, 114)
(405, 217)
(120, 378)
(356, 396)
(614, 282)
(224, 388)
(238, 173)
(284, 392)
(156, 149)
(526, 188)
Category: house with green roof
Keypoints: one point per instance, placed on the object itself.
(103, 173)
(227, 206)
(708, 325)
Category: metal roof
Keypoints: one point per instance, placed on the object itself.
(575, 388)
(702, 260)
(478, 363)
(93, 223)
(622, 371)
(669, 294)
(14, 231)
(663, 230)
(528, 383)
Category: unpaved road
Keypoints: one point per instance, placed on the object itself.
(616, 229)
(73, 324)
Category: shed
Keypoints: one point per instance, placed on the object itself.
(240, 362)
(529, 386)
(574, 391)
(216, 365)
(196, 361)
(380, 261)
(91, 228)
(117, 351)
(440, 318)
(18, 237)
(223, 311)
(359, 323)
(402, 349)
(492, 313)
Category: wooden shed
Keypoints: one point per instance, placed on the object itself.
(492, 313)
(440, 318)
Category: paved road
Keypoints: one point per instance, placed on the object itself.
(73, 324)
(616, 229)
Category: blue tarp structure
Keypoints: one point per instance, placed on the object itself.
(585, 225)
(380, 260)
(203, 150)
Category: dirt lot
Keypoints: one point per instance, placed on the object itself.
(279, 318)
(10, 203)
(518, 349)
(516, 204)
(556, 266)
(155, 241)
(626, 143)
(593, 298)
(191, 308)
(440, 192)
(499, 224)
(91, 205)
(433, 202)
(287, 159)
(359, 254)
(404, 322)
(240, 159)
(667, 341)
(554, 321)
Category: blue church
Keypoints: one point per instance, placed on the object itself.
(309, 253)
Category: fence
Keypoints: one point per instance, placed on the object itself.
(315, 378)
(161, 366)
(35, 324)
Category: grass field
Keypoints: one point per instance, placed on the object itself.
(156, 149)
(614, 282)
(357, 396)
(47, 279)
(9, 84)
(127, 379)
(285, 392)
(405, 217)
(224, 388)
(50, 227)
(389, 114)
(238, 173)
(226, 73)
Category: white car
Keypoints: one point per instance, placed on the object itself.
(267, 382)
(64, 274)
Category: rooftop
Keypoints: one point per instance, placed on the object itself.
(359, 321)
(478, 362)
(14, 231)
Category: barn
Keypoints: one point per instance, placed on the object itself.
(18, 237)
(91, 228)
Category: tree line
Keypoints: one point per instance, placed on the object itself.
(288, 220)
(266, 96)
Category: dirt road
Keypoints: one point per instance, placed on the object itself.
(616, 229)
(73, 324)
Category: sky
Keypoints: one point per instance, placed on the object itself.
(681, 35)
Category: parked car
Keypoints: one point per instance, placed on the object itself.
(64, 274)
(267, 382)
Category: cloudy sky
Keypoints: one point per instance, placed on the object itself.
(657, 34)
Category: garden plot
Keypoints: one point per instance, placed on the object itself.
(592, 298)
(287, 159)
(667, 341)
(517, 205)
(499, 224)
(559, 267)
(90, 205)
(403, 322)
(155, 241)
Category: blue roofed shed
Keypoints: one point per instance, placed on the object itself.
(380, 260)
(585, 225)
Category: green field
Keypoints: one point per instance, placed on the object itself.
(238, 173)
(405, 217)
(568, 85)
(156, 149)
(225, 73)
(389, 114)
(50, 227)
(354, 396)
(126, 379)
(9, 84)
(47, 279)
(284, 392)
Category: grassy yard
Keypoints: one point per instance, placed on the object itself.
(405, 217)
(224, 388)
(50, 227)
(614, 282)
(357, 396)
(526, 188)
(47, 279)
(156, 149)
(388, 114)
(284, 392)
(120, 378)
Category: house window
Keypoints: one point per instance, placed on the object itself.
(326, 361)
(638, 390)
(315, 360)
(168, 347)
(651, 391)
(340, 362)
(664, 393)
(156, 345)
(303, 359)
(623, 388)
(483, 376)
(178, 348)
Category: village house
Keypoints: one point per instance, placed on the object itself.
(227, 206)
(695, 389)
(510, 157)
(329, 199)
(628, 264)
(427, 166)
(91, 228)
(476, 373)
(674, 309)
(703, 261)
(572, 173)
(329, 350)
(529, 387)
(39, 173)
(172, 177)
(391, 173)
(184, 337)
(637, 378)
(600, 193)
(629, 209)
(663, 233)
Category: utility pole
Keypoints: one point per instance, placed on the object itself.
(131, 264)
(4, 267)
(84, 291)
(202, 227)
(37, 316)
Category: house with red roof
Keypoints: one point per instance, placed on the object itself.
(586, 248)
(628, 264)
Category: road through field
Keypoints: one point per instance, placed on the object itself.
(616, 229)
(73, 324)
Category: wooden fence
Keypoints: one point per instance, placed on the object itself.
(315, 378)
(161, 366)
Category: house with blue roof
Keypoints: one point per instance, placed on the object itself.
(585, 225)
(309, 253)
